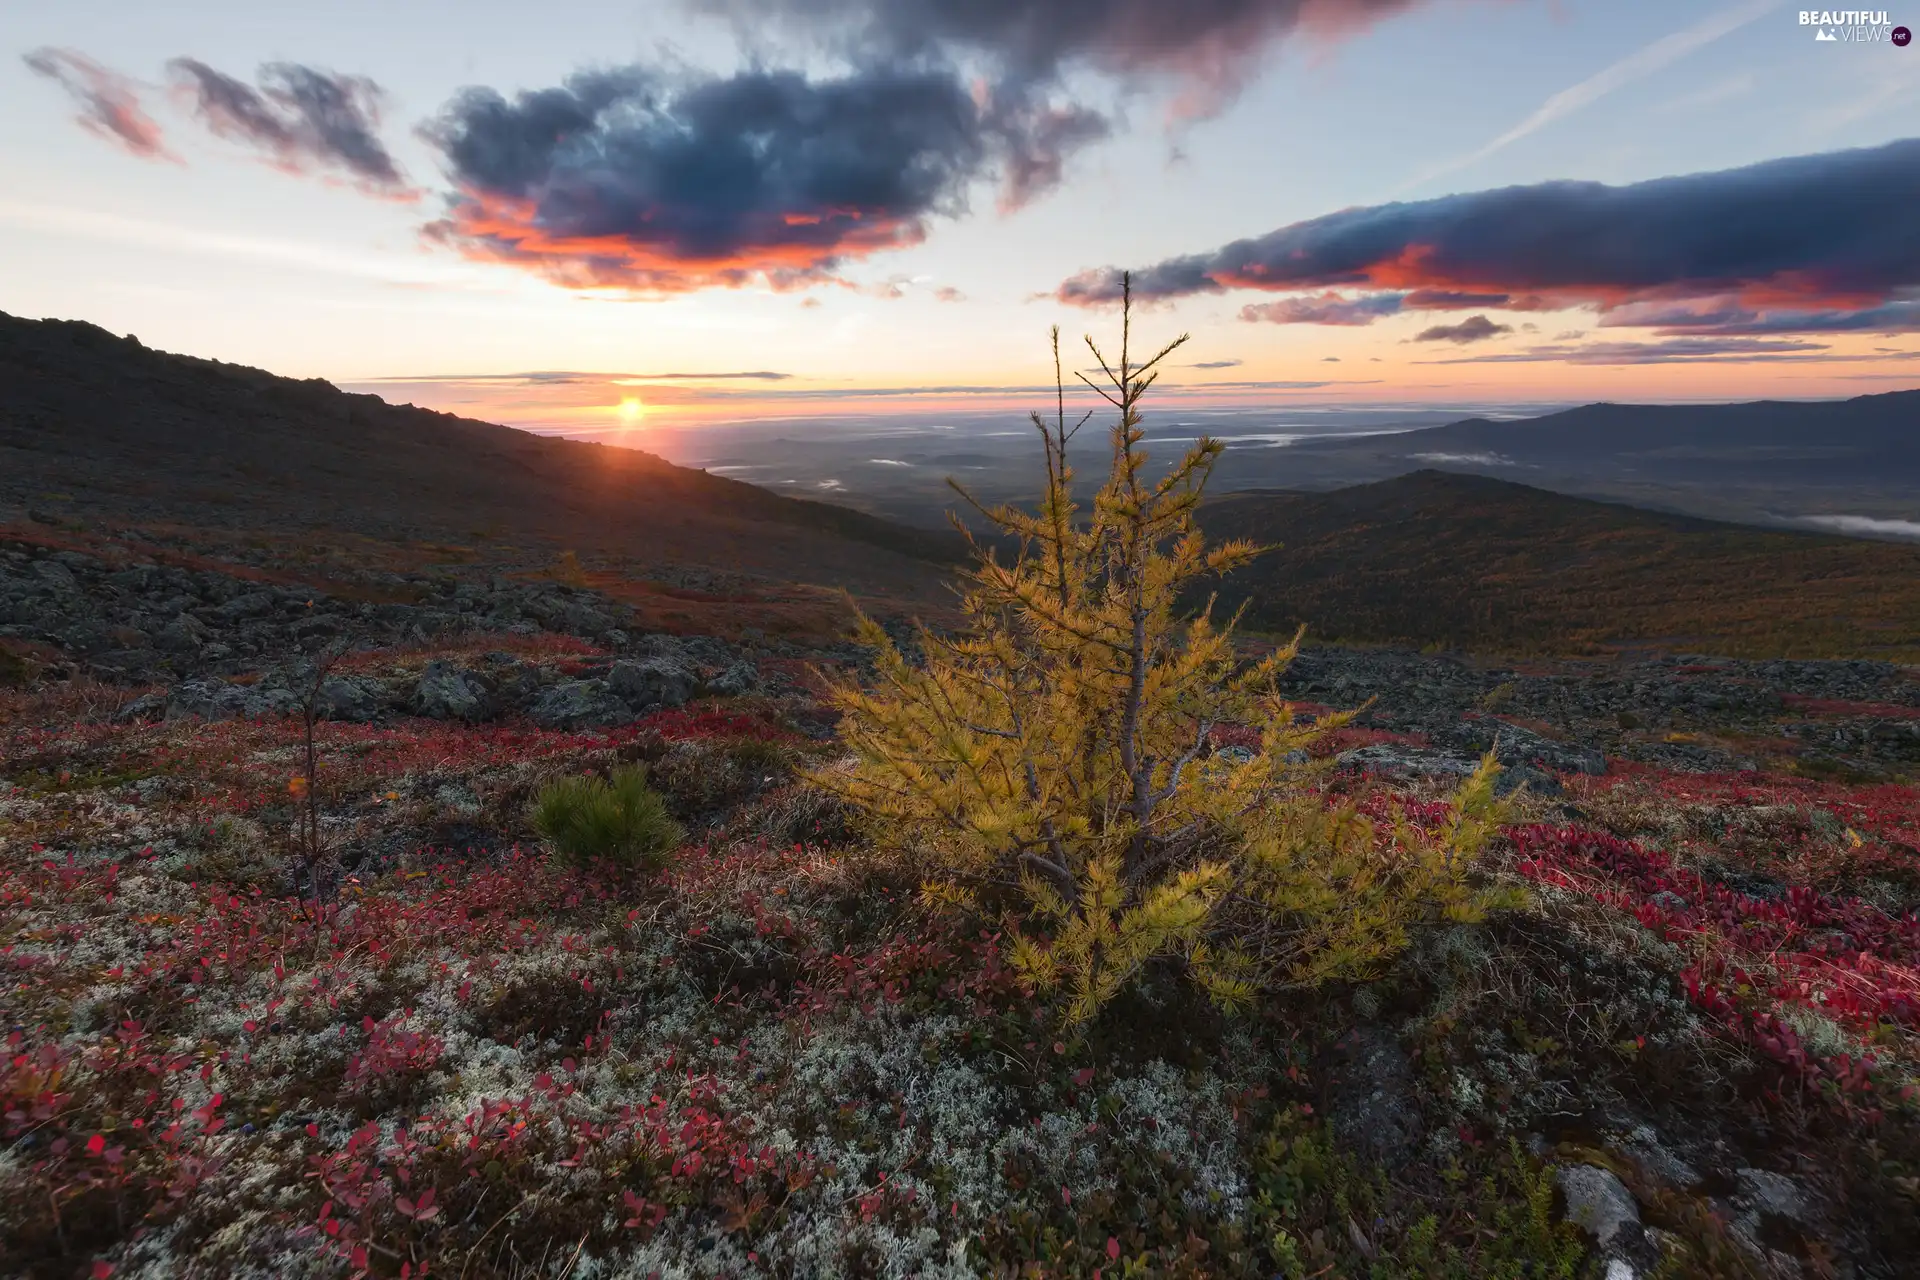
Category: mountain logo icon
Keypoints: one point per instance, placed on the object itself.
(1824, 34)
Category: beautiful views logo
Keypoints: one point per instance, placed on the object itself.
(1853, 26)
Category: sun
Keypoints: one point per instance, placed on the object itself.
(631, 410)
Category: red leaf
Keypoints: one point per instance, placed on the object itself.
(96, 1144)
(1113, 1248)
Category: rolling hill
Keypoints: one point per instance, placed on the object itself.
(94, 425)
(1470, 562)
(1767, 461)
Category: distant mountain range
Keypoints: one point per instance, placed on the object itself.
(1767, 461)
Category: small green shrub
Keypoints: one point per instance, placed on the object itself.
(620, 820)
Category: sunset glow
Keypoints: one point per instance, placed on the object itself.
(802, 235)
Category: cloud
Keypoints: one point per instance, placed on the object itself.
(1670, 351)
(1329, 359)
(1216, 364)
(633, 179)
(1467, 459)
(567, 377)
(109, 102)
(1461, 300)
(1827, 239)
(947, 293)
(1729, 318)
(1472, 329)
(1208, 47)
(1325, 308)
(1865, 525)
(301, 118)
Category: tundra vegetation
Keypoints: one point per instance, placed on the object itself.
(1076, 949)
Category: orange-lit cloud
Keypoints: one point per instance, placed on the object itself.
(109, 102)
(638, 180)
(1821, 243)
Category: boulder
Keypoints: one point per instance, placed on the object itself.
(738, 680)
(1374, 1110)
(448, 692)
(1516, 748)
(251, 604)
(1394, 760)
(1600, 1204)
(651, 682)
(148, 706)
(580, 704)
(184, 634)
(212, 699)
(207, 700)
(56, 576)
(354, 698)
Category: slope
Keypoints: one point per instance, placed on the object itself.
(93, 424)
(1476, 563)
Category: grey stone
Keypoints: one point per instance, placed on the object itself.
(447, 692)
(57, 576)
(1392, 760)
(1515, 747)
(148, 706)
(184, 634)
(353, 698)
(207, 700)
(651, 682)
(579, 704)
(252, 604)
(1767, 1192)
(736, 681)
(584, 620)
(1644, 1146)
(1600, 1204)
(1374, 1111)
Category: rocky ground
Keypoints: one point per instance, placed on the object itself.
(1692, 1052)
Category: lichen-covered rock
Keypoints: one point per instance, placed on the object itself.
(651, 682)
(1516, 747)
(448, 692)
(353, 698)
(580, 704)
(736, 681)
(1599, 1204)
(1374, 1110)
(218, 700)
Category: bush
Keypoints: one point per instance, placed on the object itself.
(1058, 751)
(620, 820)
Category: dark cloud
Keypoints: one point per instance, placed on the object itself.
(1830, 235)
(1458, 300)
(303, 119)
(1207, 45)
(1216, 364)
(1329, 359)
(1324, 308)
(1472, 329)
(109, 102)
(634, 179)
(1670, 351)
(1894, 317)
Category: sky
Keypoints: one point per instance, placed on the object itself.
(606, 219)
